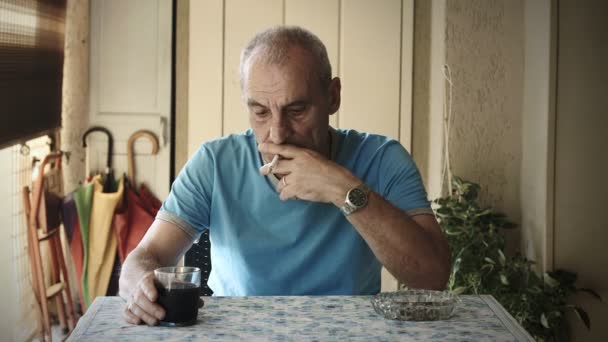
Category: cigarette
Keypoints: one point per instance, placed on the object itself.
(274, 161)
(272, 164)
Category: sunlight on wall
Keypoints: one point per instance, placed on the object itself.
(20, 322)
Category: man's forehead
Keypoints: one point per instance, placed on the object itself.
(276, 81)
(292, 61)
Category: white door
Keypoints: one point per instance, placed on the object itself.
(130, 85)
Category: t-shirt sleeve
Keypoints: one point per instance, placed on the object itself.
(189, 202)
(400, 181)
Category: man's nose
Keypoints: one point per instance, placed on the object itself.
(279, 130)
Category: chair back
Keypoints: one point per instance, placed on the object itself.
(199, 255)
(47, 194)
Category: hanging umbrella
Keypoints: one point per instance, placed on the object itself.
(108, 183)
(79, 221)
(71, 224)
(101, 247)
(138, 208)
(93, 245)
(76, 213)
(83, 200)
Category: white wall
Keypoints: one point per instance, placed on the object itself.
(538, 119)
(7, 296)
(484, 49)
(19, 319)
(428, 92)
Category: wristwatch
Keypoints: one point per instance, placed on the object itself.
(356, 198)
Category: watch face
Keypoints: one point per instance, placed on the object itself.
(357, 197)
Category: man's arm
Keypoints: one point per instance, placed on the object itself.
(163, 245)
(413, 249)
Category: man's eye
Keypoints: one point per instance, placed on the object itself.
(296, 112)
(261, 114)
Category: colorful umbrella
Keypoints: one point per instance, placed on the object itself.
(138, 208)
(87, 215)
(71, 224)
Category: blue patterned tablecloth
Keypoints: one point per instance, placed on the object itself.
(321, 318)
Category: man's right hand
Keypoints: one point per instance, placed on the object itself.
(141, 305)
(163, 245)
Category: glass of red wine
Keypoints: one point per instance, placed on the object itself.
(178, 293)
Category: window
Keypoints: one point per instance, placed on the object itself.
(31, 67)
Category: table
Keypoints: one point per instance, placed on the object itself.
(303, 318)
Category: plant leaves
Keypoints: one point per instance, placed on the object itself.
(490, 267)
(583, 316)
(475, 234)
(484, 212)
(550, 280)
(591, 292)
(544, 321)
(504, 280)
(456, 266)
(458, 290)
(501, 257)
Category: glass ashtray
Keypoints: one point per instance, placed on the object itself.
(415, 305)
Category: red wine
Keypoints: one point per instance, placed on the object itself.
(180, 303)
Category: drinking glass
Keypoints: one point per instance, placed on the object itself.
(178, 293)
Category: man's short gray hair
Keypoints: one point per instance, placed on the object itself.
(272, 46)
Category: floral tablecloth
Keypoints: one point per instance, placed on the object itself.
(295, 318)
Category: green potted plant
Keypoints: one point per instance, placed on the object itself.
(480, 266)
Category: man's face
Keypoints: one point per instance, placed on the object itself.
(287, 104)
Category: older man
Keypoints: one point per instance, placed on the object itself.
(293, 206)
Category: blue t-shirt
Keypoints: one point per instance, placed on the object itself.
(261, 245)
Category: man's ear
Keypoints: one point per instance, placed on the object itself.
(335, 89)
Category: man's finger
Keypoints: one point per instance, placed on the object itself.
(130, 317)
(201, 302)
(148, 287)
(146, 305)
(287, 192)
(143, 315)
(283, 167)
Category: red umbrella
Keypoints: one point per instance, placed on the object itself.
(138, 208)
(71, 225)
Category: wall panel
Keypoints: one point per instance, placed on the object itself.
(370, 66)
(243, 19)
(323, 18)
